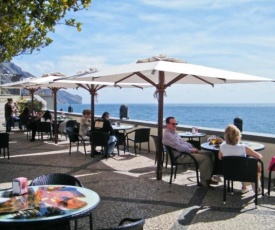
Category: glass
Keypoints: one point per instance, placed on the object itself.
(212, 140)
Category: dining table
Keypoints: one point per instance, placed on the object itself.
(120, 133)
(122, 127)
(218, 169)
(192, 136)
(45, 205)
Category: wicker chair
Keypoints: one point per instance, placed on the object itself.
(140, 136)
(45, 127)
(4, 144)
(101, 139)
(163, 150)
(60, 179)
(175, 164)
(75, 138)
(244, 169)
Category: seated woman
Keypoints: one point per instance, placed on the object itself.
(85, 124)
(107, 127)
(33, 124)
(24, 118)
(47, 116)
(232, 147)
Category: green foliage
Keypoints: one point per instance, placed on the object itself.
(24, 24)
(37, 105)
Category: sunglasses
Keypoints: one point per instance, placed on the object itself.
(173, 123)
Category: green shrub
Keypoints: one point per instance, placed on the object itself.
(37, 105)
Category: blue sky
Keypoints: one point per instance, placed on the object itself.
(235, 35)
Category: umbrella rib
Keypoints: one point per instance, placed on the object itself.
(139, 87)
(176, 79)
(122, 79)
(145, 78)
(89, 87)
(205, 80)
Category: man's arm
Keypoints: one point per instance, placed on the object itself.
(175, 142)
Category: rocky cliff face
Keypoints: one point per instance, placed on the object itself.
(9, 72)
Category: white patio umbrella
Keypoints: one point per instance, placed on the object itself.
(57, 81)
(47, 81)
(162, 72)
(93, 86)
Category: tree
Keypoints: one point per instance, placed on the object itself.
(24, 24)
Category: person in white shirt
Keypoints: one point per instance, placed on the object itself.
(233, 147)
(85, 124)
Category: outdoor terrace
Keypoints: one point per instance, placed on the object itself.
(128, 187)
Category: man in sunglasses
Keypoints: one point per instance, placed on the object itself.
(205, 158)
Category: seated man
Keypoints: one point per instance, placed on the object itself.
(103, 124)
(205, 158)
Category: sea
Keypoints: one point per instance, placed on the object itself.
(257, 118)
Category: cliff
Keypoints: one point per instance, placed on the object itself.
(9, 72)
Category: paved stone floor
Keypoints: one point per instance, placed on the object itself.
(128, 187)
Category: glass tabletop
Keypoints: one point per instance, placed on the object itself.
(190, 134)
(122, 127)
(256, 146)
(46, 203)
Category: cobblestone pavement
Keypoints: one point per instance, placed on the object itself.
(128, 187)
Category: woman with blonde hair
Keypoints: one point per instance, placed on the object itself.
(233, 147)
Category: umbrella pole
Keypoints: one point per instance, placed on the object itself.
(54, 90)
(32, 92)
(160, 90)
(92, 110)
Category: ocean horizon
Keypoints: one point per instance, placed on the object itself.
(257, 117)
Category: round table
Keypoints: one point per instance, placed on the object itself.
(121, 135)
(253, 145)
(46, 204)
(122, 127)
(192, 136)
(218, 169)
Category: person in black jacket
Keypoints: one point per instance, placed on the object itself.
(24, 117)
(9, 114)
(107, 127)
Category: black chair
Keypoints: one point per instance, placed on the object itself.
(25, 125)
(128, 224)
(101, 139)
(60, 179)
(45, 127)
(271, 168)
(163, 150)
(120, 140)
(173, 159)
(244, 169)
(141, 135)
(56, 179)
(74, 137)
(4, 144)
(70, 123)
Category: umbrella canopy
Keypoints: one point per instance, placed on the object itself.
(93, 86)
(57, 81)
(48, 81)
(162, 72)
